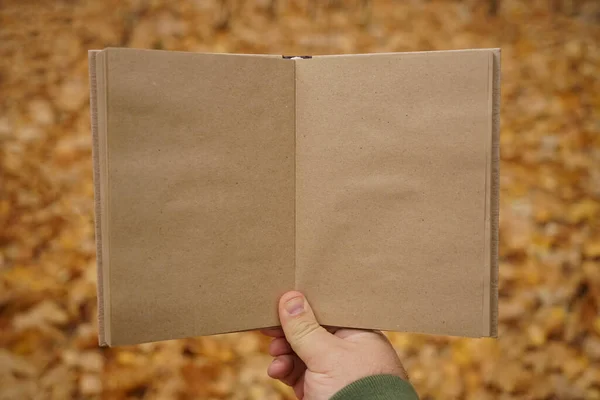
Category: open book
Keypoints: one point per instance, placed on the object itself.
(368, 182)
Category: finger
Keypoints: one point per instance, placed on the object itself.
(298, 369)
(358, 333)
(281, 367)
(308, 339)
(299, 387)
(332, 329)
(279, 346)
(273, 332)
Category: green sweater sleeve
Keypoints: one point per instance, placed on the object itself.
(378, 387)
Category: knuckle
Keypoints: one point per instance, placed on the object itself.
(303, 329)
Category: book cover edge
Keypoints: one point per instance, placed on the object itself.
(495, 200)
(102, 340)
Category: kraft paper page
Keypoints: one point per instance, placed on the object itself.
(201, 192)
(391, 175)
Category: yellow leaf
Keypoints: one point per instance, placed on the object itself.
(593, 394)
(127, 358)
(597, 325)
(461, 354)
(592, 249)
(574, 367)
(584, 210)
(536, 335)
(556, 318)
(4, 208)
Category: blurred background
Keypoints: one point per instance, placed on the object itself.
(549, 344)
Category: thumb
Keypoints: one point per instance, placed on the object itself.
(308, 339)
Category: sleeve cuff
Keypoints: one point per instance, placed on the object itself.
(378, 387)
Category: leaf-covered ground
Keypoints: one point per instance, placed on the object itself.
(549, 345)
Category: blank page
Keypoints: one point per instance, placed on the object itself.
(200, 192)
(393, 203)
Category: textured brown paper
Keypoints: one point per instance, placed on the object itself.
(392, 166)
(369, 182)
(199, 193)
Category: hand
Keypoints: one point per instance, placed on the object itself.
(318, 362)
